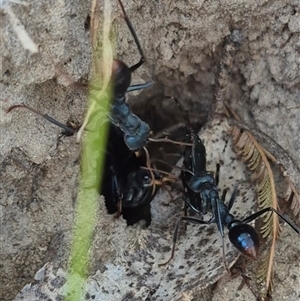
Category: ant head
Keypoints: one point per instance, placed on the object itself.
(121, 78)
(138, 189)
(245, 239)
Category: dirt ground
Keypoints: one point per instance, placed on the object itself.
(183, 42)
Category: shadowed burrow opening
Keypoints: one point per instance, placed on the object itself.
(162, 114)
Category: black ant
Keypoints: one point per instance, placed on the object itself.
(136, 131)
(127, 186)
(202, 196)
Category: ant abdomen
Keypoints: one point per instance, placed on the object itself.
(245, 238)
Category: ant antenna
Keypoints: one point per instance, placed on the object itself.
(148, 164)
(136, 40)
(47, 117)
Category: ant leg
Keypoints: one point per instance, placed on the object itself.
(216, 209)
(217, 175)
(148, 164)
(139, 87)
(185, 208)
(197, 150)
(136, 40)
(224, 257)
(185, 211)
(239, 271)
(119, 209)
(224, 195)
(175, 235)
(47, 117)
(232, 198)
(259, 213)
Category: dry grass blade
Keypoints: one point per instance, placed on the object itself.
(94, 30)
(106, 62)
(254, 155)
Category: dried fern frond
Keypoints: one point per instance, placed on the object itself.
(254, 155)
(294, 197)
(280, 157)
(266, 289)
(256, 158)
(291, 194)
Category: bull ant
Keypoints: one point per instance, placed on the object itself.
(202, 196)
(130, 182)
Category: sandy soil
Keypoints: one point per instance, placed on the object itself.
(183, 43)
